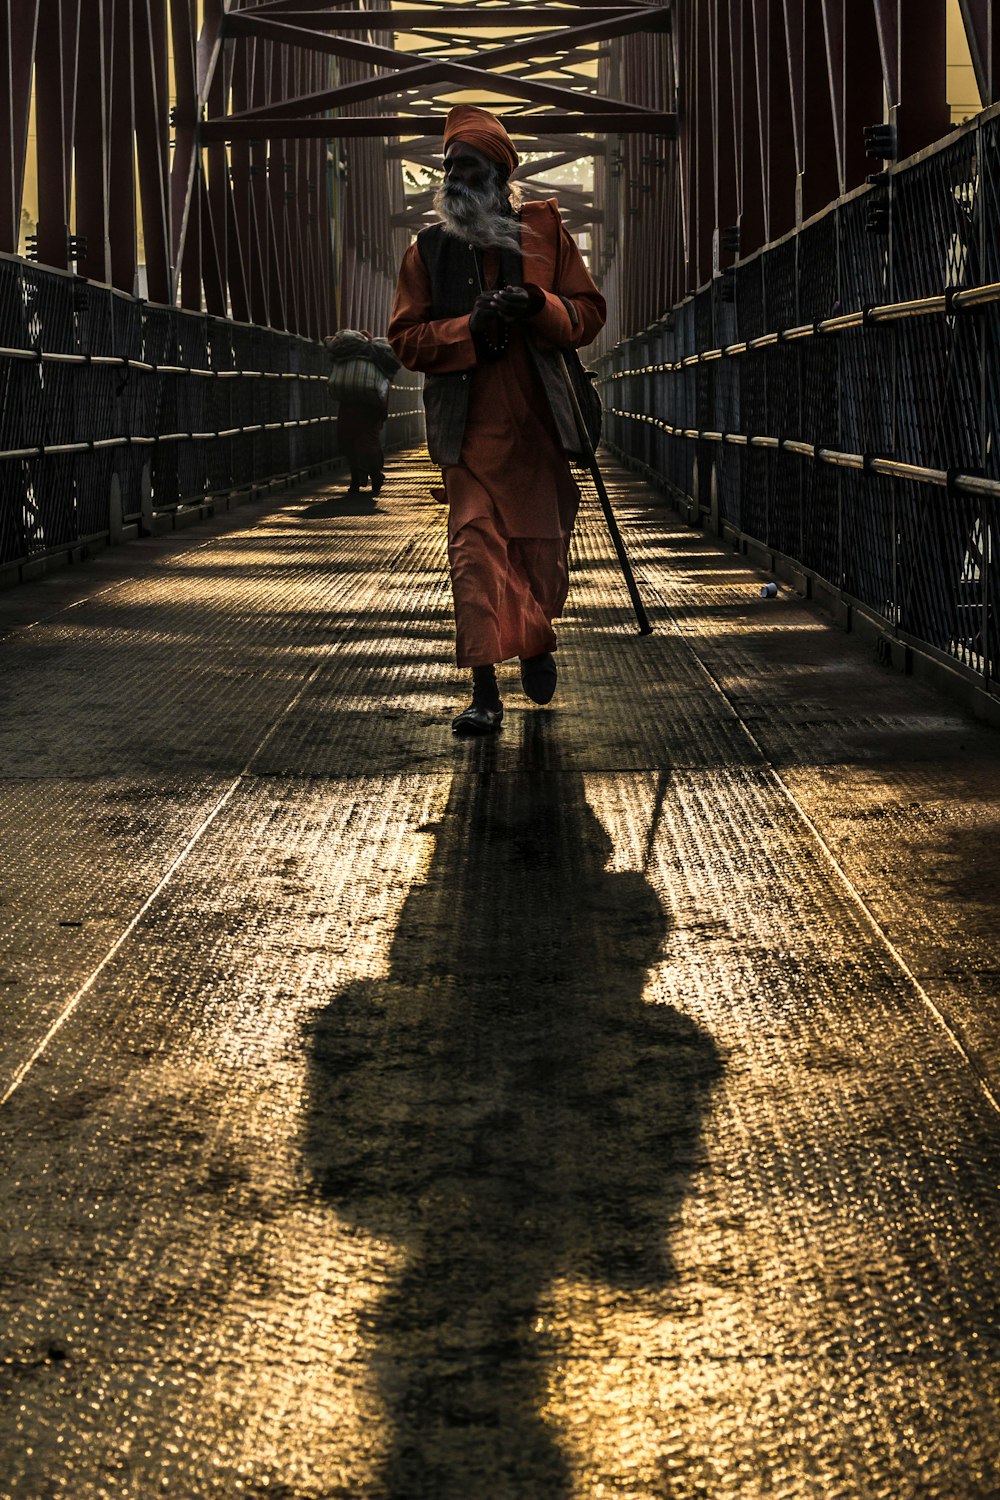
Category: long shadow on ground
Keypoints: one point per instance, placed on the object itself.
(507, 1108)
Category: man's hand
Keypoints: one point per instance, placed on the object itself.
(484, 309)
(513, 303)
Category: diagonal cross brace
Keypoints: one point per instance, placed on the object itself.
(458, 72)
(445, 18)
(429, 70)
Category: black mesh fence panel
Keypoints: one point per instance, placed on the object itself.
(158, 425)
(828, 417)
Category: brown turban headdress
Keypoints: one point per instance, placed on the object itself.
(477, 127)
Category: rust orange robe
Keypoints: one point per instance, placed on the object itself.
(512, 499)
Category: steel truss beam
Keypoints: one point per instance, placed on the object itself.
(18, 27)
(442, 70)
(419, 71)
(448, 18)
(982, 26)
(773, 98)
(347, 128)
(714, 126)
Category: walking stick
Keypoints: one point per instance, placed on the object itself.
(616, 537)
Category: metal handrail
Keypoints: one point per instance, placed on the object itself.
(45, 450)
(951, 301)
(122, 362)
(893, 468)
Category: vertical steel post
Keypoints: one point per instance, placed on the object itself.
(149, 41)
(55, 97)
(703, 156)
(924, 116)
(820, 174)
(729, 73)
(91, 146)
(184, 215)
(780, 140)
(753, 214)
(18, 26)
(856, 82)
(913, 39)
(982, 27)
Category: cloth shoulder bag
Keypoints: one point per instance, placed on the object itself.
(587, 396)
(584, 388)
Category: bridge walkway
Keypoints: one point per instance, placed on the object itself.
(609, 1109)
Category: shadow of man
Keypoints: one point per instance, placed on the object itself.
(341, 505)
(507, 1107)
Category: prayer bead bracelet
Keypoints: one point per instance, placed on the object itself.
(493, 346)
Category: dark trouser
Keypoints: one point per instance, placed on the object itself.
(359, 431)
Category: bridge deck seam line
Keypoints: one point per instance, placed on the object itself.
(74, 1001)
(83, 990)
(951, 1032)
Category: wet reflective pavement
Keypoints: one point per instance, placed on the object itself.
(606, 1110)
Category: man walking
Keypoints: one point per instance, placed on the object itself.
(486, 301)
(364, 369)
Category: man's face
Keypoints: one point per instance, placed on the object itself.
(472, 202)
(467, 167)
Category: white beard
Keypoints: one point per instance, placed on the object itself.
(480, 218)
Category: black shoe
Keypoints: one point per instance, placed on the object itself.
(378, 480)
(538, 677)
(477, 720)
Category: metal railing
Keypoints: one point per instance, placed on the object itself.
(111, 401)
(835, 398)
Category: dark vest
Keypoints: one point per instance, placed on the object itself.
(452, 267)
(454, 271)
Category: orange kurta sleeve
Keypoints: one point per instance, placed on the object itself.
(438, 346)
(581, 321)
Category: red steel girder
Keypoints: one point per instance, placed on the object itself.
(152, 142)
(812, 117)
(91, 146)
(982, 26)
(446, 18)
(430, 70)
(455, 72)
(195, 62)
(651, 122)
(856, 83)
(55, 92)
(751, 149)
(779, 164)
(923, 115)
(704, 118)
(211, 264)
(220, 202)
(186, 247)
(913, 40)
(17, 50)
(121, 147)
(246, 170)
(419, 146)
